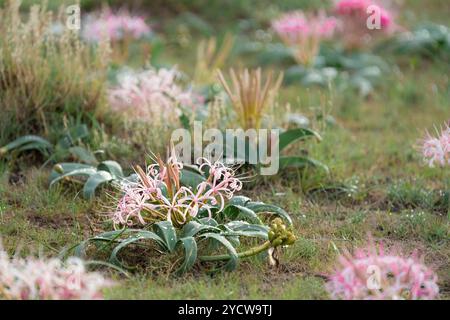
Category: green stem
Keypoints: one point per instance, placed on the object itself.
(245, 254)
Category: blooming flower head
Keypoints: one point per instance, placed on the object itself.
(114, 26)
(355, 18)
(344, 7)
(150, 93)
(39, 279)
(158, 194)
(304, 33)
(375, 275)
(436, 150)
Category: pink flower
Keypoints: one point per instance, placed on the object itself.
(304, 33)
(150, 93)
(375, 275)
(295, 26)
(146, 201)
(33, 278)
(344, 7)
(108, 25)
(436, 150)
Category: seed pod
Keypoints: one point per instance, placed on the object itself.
(58, 168)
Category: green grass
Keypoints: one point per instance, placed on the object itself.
(372, 148)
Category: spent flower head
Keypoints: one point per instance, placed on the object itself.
(373, 274)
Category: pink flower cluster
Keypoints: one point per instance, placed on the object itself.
(436, 150)
(354, 17)
(370, 274)
(295, 26)
(150, 93)
(109, 25)
(38, 279)
(147, 201)
(359, 9)
(303, 33)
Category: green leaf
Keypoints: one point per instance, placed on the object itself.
(190, 253)
(166, 231)
(300, 162)
(68, 167)
(290, 136)
(77, 172)
(112, 167)
(94, 181)
(192, 228)
(233, 261)
(242, 228)
(84, 155)
(235, 211)
(191, 179)
(138, 236)
(38, 142)
(239, 200)
(269, 208)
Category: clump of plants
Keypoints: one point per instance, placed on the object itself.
(199, 217)
(45, 75)
(373, 274)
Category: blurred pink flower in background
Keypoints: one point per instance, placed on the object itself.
(353, 21)
(372, 274)
(304, 33)
(436, 150)
(151, 93)
(114, 26)
(39, 279)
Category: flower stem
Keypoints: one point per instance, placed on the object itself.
(245, 254)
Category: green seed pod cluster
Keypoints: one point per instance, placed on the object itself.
(279, 235)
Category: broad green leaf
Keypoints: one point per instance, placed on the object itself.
(68, 167)
(262, 207)
(94, 181)
(239, 200)
(138, 236)
(112, 167)
(166, 231)
(245, 229)
(83, 155)
(191, 179)
(21, 141)
(87, 172)
(235, 211)
(233, 257)
(192, 228)
(300, 162)
(190, 253)
(290, 136)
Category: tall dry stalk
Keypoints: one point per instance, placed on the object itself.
(210, 57)
(250, 95)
